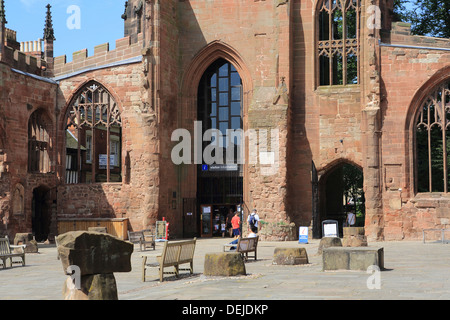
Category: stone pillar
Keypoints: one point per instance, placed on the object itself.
(371, 118)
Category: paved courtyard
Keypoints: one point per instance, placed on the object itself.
(414, 270)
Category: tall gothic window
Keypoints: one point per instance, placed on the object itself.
(433, 142)
(220, 110)
(338, 42)
(93, 137)
(39, 143)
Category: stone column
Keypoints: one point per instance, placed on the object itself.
(371, 122)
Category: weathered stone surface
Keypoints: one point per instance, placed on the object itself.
(92, 287)
(276, 232)
(327, 242)
(290, 256)
(354, 237)
(94, 252)
(224, 264)
(342, 258)
(27, 239)
(98, 229)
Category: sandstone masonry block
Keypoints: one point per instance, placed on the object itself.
(94, 252)
(92, 287)
(335, 258)
(224, 264)
(290, 256)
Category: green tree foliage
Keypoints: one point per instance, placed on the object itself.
(427, 17)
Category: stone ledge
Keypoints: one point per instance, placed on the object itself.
(348, 258)
(290, 256)
(225, 264)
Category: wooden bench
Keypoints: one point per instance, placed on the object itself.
(174, 254)
(144, 238)
(6, 252)
(244, 246)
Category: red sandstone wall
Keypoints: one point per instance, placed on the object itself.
(20, 96)
(407, 72)
(137, 200)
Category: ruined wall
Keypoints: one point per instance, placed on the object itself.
(136, 197)
(255, 38)
(326, 120)
(407, 73)
(21, 95)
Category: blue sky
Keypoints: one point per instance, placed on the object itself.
(100, 22)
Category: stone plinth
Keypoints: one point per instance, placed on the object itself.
(224, 264)
(92, 287)
(354, 237)
(327, 242)
(344, 258)
(290, 256)
(26, 239)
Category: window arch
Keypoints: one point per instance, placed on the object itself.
(39, 142)
(432, 141)
(93, 137)
(338, 24)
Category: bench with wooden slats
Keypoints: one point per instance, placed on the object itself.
(144, 238)
(244, 246)
(6, 252)
(174, 254)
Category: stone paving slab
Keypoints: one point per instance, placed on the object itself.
(413, 270)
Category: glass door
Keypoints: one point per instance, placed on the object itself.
(206, 214)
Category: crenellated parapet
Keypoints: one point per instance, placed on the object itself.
(21, 61)
(400, 34)
(102, 56)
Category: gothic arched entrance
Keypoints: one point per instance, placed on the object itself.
(340, 190)
(41, 213)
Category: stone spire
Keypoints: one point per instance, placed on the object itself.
(3, 22)
(49, 37)
(49, 33)
(2, 13)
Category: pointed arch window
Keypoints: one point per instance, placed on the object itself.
(338, 42)
(432, 141)
(93, 137)
(39, 143)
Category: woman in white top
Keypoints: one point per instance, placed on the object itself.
(351, 219)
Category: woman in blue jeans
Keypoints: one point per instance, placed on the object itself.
(252, 234)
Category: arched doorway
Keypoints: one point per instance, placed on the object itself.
(41, 213)
(220, 176)
(341, 191)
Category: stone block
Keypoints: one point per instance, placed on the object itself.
(290, 256)
(98, 229)
(342, 258)
(91, 287)
(94, 252)
(224, 264)
(26, 239)
(354, 237)
(327, 242)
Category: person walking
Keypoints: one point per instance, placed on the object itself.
(235, 224)
(253, 220)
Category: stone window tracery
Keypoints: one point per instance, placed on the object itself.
(432, 141)
(338, 42)
(39, 143)
(93, 137)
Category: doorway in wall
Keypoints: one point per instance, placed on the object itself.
(41, 213)
(340, 191)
